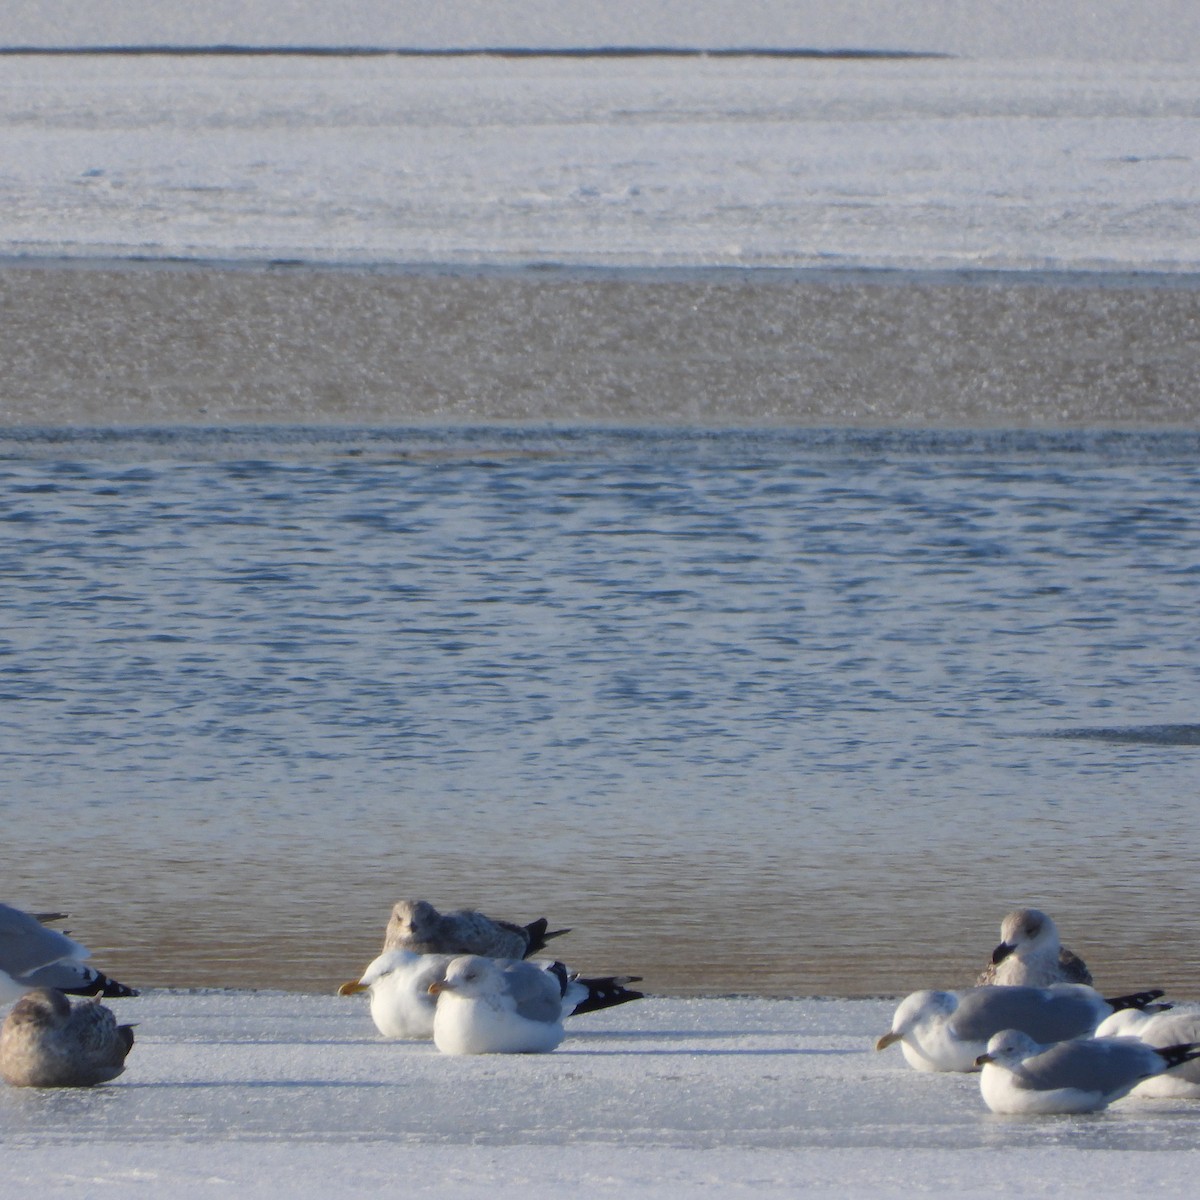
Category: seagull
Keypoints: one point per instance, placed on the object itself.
(33, 956)
(403, 1006)
(489, 1006)
(45, 1042)
(1031, 955)
(948, 1031)
(1022, 1076)
(398, 982)
(417, 925)
(1161, 1029)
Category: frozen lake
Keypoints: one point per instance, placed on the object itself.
(274, 1094)
(920, 163)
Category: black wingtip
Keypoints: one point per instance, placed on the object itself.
(607, 992)
(1176, 1056)
(1136, 1000)
(102, 986)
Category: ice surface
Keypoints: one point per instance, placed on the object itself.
(1080, 29)
(287, 1094)
(644, 162)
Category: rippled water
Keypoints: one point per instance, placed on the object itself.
(793, 713)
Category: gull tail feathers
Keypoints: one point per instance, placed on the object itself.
(540, 933)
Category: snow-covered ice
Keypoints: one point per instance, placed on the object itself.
(274, 1094)
(945, 164)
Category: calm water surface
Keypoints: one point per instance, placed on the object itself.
(788, 713)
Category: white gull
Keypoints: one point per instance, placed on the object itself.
(1021, 1076)
(403, 1006)
(947, 1031)
(1161, 1029)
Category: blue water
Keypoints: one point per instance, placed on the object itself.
(790, 712)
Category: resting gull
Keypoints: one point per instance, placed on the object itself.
(948, 1031)
(417, 925)
(1161, 1029)
(402, 1005)
(1021, 1076)
(45, 1042)
(489, 1006)
(33, 956)
(1031, 955)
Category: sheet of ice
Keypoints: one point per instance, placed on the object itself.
(1081, 29)
(649, 162)
(284, 1094)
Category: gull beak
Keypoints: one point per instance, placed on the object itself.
(983, 1060)
(1002, 951)
(888, 1039)
(438, 987)
(352, 988)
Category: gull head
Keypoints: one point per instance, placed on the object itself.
(414, 920)
(469, 976)
(380, 968)
(41, 1009)
(1024, 932)
(919, 1009)
(1008, 1049)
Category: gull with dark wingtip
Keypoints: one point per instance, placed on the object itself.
(31, 956)
(1021, 1076)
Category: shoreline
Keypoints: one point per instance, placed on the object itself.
(164, 342)
(1149, 277)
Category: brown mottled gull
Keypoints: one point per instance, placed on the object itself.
(47, 1042)
(416, 925)
(1031, 955)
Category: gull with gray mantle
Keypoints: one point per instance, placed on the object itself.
(32, 956)
(488, 1006)
(948, 1031)
(403, 1003)
(1021, 1076)
(1161, 1029)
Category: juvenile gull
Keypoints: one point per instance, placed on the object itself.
(402, 1005)
(45, 1042)
(948, 1031)
(33, 956)
(1161, 1029)
(487, 1006)
(1031, 955)
(1021, 1076)
(417, 925)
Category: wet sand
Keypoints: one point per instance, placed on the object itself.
(134, 344)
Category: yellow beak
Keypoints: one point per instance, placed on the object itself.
(352, 988)
(887, 1040)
